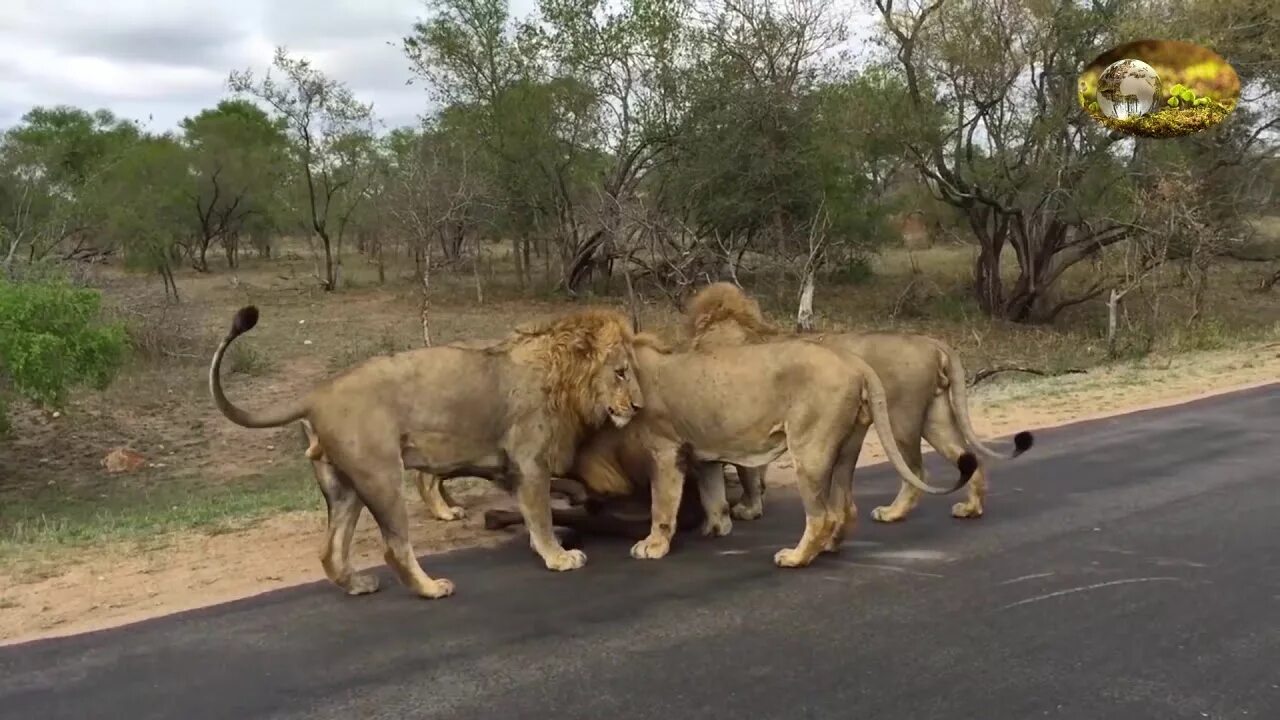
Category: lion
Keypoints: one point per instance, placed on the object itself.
(431, 487)
(924, 384)
(748, 405)
(513, 414)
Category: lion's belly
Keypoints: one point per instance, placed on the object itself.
(745, 450)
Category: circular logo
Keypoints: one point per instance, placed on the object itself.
(1159, 88)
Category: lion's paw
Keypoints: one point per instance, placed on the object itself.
(886, 514)
(965, 510)
(438, 588)
(718, 526)
(789, 558)
(453, 513)
(566, 560)
(747, 512)
(362, 584)
(650, 548)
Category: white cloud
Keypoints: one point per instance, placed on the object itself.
(165, 61)
(159, 62)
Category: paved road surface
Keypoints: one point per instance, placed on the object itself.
(1127, 569)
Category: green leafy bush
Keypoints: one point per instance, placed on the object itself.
(52, 339)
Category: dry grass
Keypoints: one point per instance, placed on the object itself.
(211, 489)
(55, 491)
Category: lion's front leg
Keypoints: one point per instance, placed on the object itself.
(533, 493)
(714, 503)
(667, 487)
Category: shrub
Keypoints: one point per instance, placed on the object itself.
(52, 338)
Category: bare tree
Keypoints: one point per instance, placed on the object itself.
(997, 134)
(332, 134)
(817, 251)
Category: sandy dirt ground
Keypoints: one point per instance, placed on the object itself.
(113, 585)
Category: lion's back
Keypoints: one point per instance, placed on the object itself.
(909, 365)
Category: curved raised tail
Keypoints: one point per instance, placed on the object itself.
(244, 320)
(956, 381)
(875, 399)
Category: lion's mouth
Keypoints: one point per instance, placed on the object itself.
(619, 419)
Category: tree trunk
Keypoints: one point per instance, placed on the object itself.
(170, 285)
(231, 248)
(804, 314)
(330, 269)
(581, 265)
(988, 286)
(475, 272)
(519, 256)
(1113, 311)
(528, 266)
(201, 263)
(426, 301)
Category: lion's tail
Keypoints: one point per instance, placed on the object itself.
(960, 407)
(244, 320)
(879, 407)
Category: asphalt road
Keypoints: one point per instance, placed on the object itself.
(1127, 568)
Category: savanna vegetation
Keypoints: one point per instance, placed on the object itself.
(623, 153)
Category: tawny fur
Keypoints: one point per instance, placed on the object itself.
(738, 403)
(513, 413)
(923, 377)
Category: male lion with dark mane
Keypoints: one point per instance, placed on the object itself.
(513, 413)
(748, 405)
(924, 383)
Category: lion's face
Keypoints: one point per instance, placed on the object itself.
(615, 387)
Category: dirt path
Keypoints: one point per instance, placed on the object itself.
(109, 586)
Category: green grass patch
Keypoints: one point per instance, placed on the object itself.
(54, 520)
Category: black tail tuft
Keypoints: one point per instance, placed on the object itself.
(968, 464)
(246, 317)
(1022, 442)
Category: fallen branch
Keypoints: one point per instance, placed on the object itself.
(986, 373)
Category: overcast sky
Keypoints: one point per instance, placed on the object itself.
(168, 59)
(158, 61)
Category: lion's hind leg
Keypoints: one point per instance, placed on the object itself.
(840, 504)
(431, 489)
(344, 512)
(379, 484)
(908, 496)
(751, 505)
(814, 461)
(710, 479)
(942, 432)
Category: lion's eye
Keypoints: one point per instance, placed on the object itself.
(622, 373)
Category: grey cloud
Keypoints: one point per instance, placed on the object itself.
(355, 41)
(192, 44)
(340, 20)
(176, 33)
